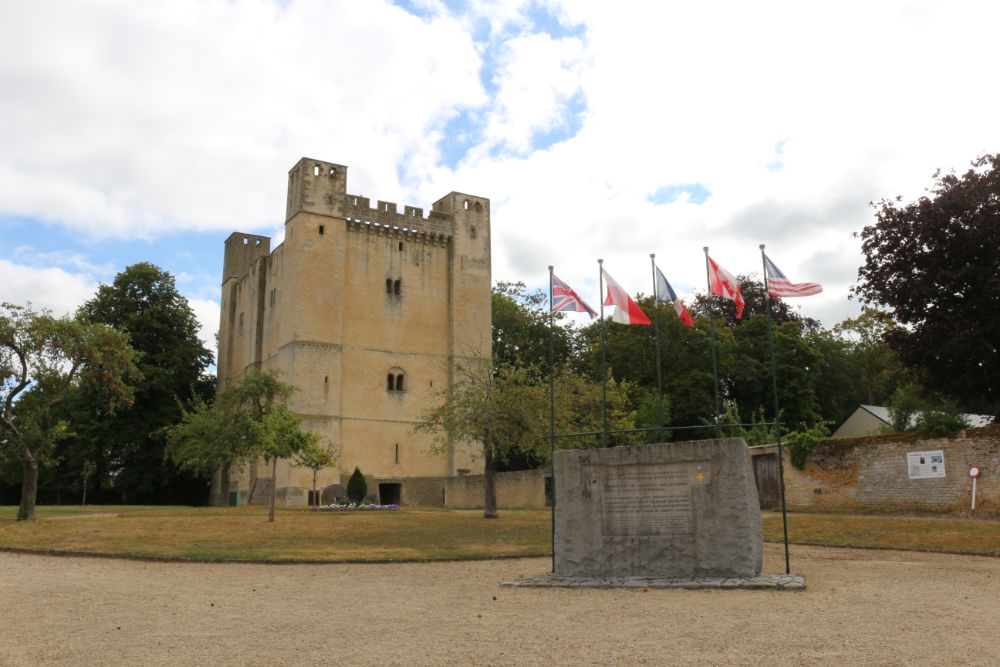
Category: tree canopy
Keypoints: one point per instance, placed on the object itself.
(934, 265)
(143, 302)
(42, 359)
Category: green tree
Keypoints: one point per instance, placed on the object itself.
(281, 436)
(248, 421)
(934, 265)
(143, 302)
(316, 458)
(41, 359)
(357, 487)
(879, 368)
(504, 410)
(521, 328)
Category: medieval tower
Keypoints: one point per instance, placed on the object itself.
(366, 311)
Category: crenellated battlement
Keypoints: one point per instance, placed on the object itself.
(412, 234)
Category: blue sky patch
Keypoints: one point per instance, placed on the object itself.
(571, 123)
(777, 162)
(697, 193)
(194, 258)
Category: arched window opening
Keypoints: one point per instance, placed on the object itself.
(390, 382)
(397, 287)
(388, 285)
(399, 382)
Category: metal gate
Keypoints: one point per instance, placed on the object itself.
(765, 473)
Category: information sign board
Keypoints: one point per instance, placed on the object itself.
(925, 465)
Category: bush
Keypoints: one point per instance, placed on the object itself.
(904, 406)
(357, 487)
(943, 421)
(800, 443)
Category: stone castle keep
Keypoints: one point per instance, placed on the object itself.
(366, 311)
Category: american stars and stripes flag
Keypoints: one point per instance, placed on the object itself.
(564, 299)
(779, 285)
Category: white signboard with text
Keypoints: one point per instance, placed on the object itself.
(925, 465)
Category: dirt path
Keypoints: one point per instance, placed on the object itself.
(861, 607)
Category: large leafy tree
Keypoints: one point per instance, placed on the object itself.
(505, 409)
(143, 301)
(521, 328)
(249, 421)
(42, 359)
(934, 264)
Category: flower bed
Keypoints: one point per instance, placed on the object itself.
(356, 507)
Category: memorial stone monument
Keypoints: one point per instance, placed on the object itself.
(684, 510)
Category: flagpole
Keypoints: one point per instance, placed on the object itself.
(715, 363)
(777, 412)
(552, 417)
(604, 361)
(656, 334)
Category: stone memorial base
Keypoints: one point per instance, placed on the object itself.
(781, 582)
(681, 511)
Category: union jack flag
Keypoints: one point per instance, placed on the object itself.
(779, 285)
(564, 299)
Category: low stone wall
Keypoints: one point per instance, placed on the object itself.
(870, 473)
(523, 489)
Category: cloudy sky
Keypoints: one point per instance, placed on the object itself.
(149, 131)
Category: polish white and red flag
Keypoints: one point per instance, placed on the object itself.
(778, 283)
(564, 299)
(722, 283)
(627, 311)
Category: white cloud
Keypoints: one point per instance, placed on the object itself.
(187, 115)
(207, 312)
(54, 289)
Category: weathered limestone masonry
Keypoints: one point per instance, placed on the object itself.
(366, 311)
(680, 510)
(870, 473)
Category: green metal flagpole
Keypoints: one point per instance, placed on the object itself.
(715, 364)
(604, 360)
(656, 334)
(552, 417)
(777, 413)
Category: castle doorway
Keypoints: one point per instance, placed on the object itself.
(389, 493)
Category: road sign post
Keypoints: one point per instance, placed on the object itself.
(974, 473)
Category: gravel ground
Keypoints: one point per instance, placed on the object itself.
(860, 607)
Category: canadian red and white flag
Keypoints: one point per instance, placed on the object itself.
(722, 283)
(627, 311)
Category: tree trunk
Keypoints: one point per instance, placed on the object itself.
(29, 489)
(490, 501)
(218, 494)
(315, 497)
(274, 487)
(83, 501)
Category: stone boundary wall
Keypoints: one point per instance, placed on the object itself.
(870, 473)
(522, 489)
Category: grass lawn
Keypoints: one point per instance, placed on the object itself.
(879, 531)
(243, 533)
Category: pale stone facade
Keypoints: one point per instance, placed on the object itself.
(366, 311)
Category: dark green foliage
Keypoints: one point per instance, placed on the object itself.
(934, 263)
(801, 443)
(128, 453)
(357, 487)
(941, 421)
(904, 408)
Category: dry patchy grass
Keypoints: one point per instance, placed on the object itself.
(946, 534)
(243, 533)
